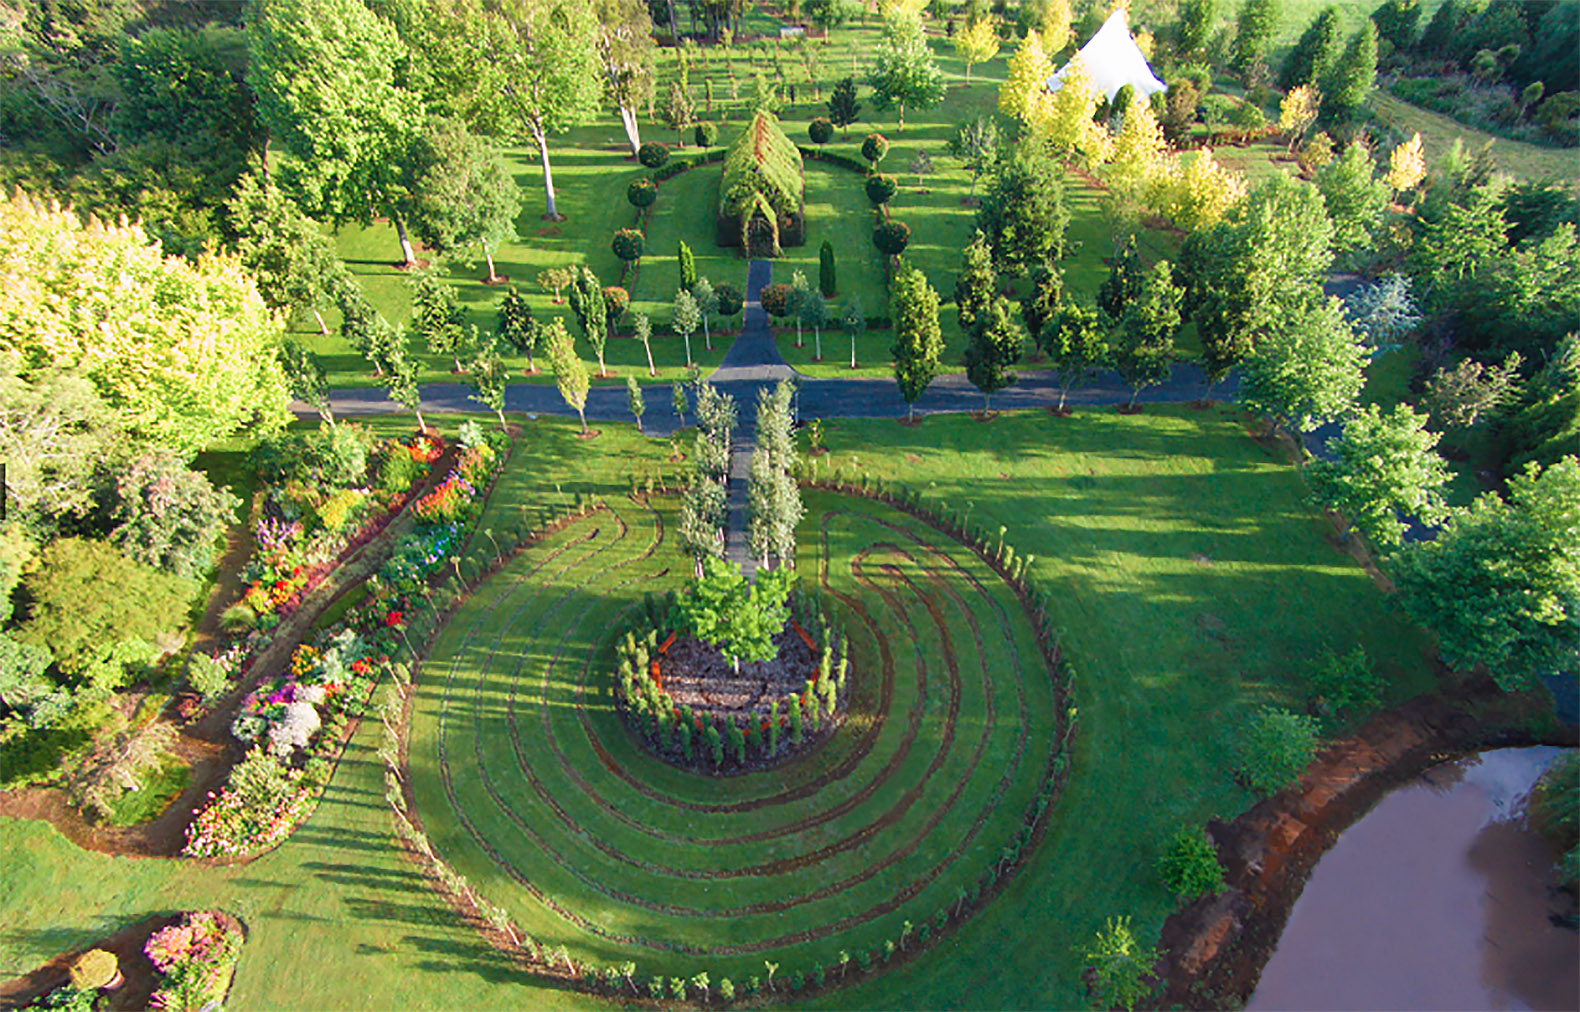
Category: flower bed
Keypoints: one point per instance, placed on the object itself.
(697, 709)
(195, 958)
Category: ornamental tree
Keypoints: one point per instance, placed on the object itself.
(1143, 351)
(918, 346)
(1039, 307)
(687, 263)
(437, 318)
(487, 379)
(976, 145)
(1253, 33)
(653, 155)
(904, 71)
(55, 431)
(1312, 59)
(1027, 80)
(993, 346)
(304, 372)
(820, 130)
(1354, 75)
(592, 313)
(827, 276)
(463, 195)
(641, 193)
(326, 73)
(1355, 198)
(977, 283)
(795, 302)
(977, 42)
(880, 188)
(731, 301)
(515, 326)
(873, 149)
(1471, 391)
(570, 372)
(1308, 368)
(892, 237)
(1064, 120)
(400, 380)
(1076, 343)
(1023, 213)
(843, 109)
(707, 305)
(686, 318)
(1406, 165)
(289, 257)
(628, 244)
(1500, 584)
(1384, 467)
(182, 350)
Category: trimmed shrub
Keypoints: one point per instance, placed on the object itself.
(731, 301)
(628, 244)
(1346, 682)
(169, 516)
(653, 155)
(1274, 747)
(1190, 867)
(820, 130)
(874, 148)
(705, 134)
(776, 300)
(880, 188)
(892, 237)
(93, 969)
(616, 301)
(641, 193)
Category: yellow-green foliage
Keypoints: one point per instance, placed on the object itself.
(762, 160)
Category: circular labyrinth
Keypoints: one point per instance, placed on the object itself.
(529, 783)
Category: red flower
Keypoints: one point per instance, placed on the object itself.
(394, 620)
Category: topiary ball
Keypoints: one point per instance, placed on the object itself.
(642, 193)
(628, 244)
(874, 148)
(776, 300)
(653, 154)
(820, 130)
(892, 237)
(731, 301)
(880, 188)
(704, 134)
(616, 301)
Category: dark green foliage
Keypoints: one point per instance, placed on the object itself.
(892, 237)
(827, 277)
(1346, 682)
(25, 689)
(1315, 54)
(993, 346)
(730, 298)
(1550, 58)
(874, 148)
(820, 130)
(843, 109)
(1190, 867)
(761, 165)
(653, 155)
(775, 299)
(642, 192)
(1273, 748)
(628, 244)
(1039, 307)
(977, 283)
(1197, 19)
(1123, 282)
(1253, 32)
(1546, 424)
(1555, 809)
(1143, 350)
(705, 134)
(1396, 22)
(880, 188)
(1353, 76)
(1023, 212)
(688, 267)
(169, 516)
(514, 323)
(437, 317)
(87, 599)
(918, 344)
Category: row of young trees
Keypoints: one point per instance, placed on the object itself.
(773, 496)
(703, 506)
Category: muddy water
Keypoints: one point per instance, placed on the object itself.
(1440, 898)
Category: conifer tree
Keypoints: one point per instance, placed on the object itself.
(993, 346)
(918, 343)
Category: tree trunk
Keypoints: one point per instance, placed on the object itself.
(968, 71)
(502, 426)
(406, 251)
(817, 343)
(688, 350)
(649, 349)
(799, 342)
(1062, 392)
(602, 372)
(853, 351)
(493, 276)
(542, 139)
(633, 130)
(582, 414)
(1134, 393)
(322, 329)
(910, 411)
(707, 340)
(901, 127)
(422, 426)
(674, 23)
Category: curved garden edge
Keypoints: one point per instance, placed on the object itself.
(1216, 947)
(206, 740)
(493, 924)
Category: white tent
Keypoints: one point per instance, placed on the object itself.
(1114, 60)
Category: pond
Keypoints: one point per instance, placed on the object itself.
(1440, 898)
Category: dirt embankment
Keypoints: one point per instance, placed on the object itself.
(1215, 948)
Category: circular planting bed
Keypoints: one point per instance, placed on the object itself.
(697, 707)
(849, 856)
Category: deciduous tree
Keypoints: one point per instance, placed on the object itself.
(463, 195)
(625, 51)
(918, 343)
(904, 71)
(1384, 467)
(570, 372)
(1308, 368)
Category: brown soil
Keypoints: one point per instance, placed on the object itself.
(419, 264)
(1130, 409)
(910, 423)
(495, 281)
(589, 434)
(1203, 405)
(697, 675)
(1215, 948)
(1058, 412)
(984, 416)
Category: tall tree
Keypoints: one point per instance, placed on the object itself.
(515, 326)
(1027, 81)
(488, 379)
(437, 318)
(633, 398)
(993, 346)
(570, 372)
(542, 56)
(588, 303)
(1076, 343)
(854, 322)
(1384, 467)
(325, 75)
(625, 51)
(1254, 32)
(976, 43)
(843, 109)
(1314, 55)
(795, 301)
(182, 350)
(976, 145)
(400, 379)
(977, 283)
(1039, 307)
(707, 304)
(1023, 213)
(918, 343)
(1355, 198)
(463, 195)
(287, 254)
(1354, 75)
(1197, 20)
(904, 71)
(1307, 369)
(1144, 339)
(686, 318)
(1500, 584)
(309, 383)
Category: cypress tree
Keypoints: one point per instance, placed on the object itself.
(1253, 32)
(827, 282)
(1313, 57)
(1355, 74)
(1040, 305)
(977, 282)
(688, 267)
(992, 347)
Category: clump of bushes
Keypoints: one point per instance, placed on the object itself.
(1274, 747)
(1555, 809)
(1345, 682)
(1190, 867)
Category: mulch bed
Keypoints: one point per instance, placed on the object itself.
(697, 675)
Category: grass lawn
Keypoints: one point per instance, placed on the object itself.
(1190, 579)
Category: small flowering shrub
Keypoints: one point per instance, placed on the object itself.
(419, 553)
(448, 501)
(195, 959)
